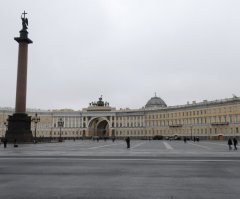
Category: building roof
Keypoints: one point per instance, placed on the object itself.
(155, 102)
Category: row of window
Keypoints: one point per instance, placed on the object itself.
(133, 122)
(203, 120)
(192, 113)
(149, 132)
(202, 131)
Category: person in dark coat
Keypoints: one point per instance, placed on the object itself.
(185, 139)
(235, 142)
(230, 143)
(128, 142)
(5, 143)
(15, 143)
(113, 139)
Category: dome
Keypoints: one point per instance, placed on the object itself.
(155, 102)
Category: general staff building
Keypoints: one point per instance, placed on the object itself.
(217, 119)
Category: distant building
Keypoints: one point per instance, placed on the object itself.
(208, 120)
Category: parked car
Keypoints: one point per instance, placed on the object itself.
(157, 137)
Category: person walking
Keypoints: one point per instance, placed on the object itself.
(128, 142)
(185, 140)
(15, 143)
(113, 139)
(235, 142)
(230, 143)
(5, 143)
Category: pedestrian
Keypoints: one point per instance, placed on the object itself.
(15, 143)
(5, 143)
(128, 142)
(113, 139)
(230, 143)
(235, 142)
(185, 139)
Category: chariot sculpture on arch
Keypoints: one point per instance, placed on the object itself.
(24, 21)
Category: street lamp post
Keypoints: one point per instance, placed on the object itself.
(60, 125)
(35, 119)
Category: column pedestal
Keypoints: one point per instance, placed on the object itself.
(19, 128)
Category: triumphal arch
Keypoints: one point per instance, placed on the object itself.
(99, 119)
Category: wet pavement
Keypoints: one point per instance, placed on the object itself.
(149, 169)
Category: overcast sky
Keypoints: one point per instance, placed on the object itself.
(125, 50)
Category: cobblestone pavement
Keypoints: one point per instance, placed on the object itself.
(149, 169)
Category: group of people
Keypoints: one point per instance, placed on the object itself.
(5, 141)
(194, 139)
(127, 140)
(233, 142)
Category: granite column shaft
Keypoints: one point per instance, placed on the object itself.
(21, 90)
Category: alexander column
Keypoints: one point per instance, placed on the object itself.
(19, 124)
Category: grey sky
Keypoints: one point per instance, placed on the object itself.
(125, 50)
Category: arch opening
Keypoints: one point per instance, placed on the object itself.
(99, 127)
(102, 129)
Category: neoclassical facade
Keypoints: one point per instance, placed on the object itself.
(217, 119)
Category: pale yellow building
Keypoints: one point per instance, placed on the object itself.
(217, 119)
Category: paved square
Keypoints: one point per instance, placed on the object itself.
(91, 169)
